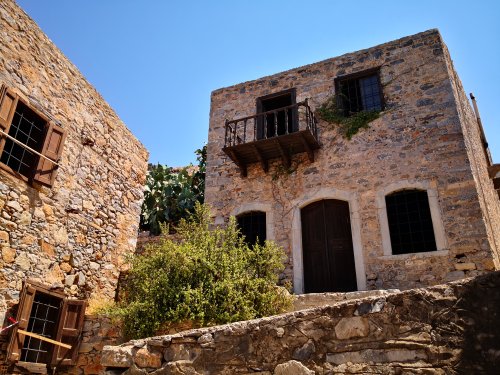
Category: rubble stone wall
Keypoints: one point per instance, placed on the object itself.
(419, 140)
(446, 329)
(77, 232)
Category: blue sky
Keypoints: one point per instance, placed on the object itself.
(156, 62)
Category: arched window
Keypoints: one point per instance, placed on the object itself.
(410, 222)
(252, 226)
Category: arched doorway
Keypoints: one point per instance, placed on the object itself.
(327, 250)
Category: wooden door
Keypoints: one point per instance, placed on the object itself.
(327, 250)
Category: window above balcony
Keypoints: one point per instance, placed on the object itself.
(280, 128)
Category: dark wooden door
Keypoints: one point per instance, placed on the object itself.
(327, 250)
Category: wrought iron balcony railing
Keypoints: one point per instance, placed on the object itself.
(279, 133)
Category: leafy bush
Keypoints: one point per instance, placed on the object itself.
(171, 194)
(349, 125)
(208, 277)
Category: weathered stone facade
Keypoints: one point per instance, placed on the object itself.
(77, 232)
(426, 138)
(446, 329)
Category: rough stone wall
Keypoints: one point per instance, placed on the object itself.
(446, 329)
(418, 138)
(77, 232)
(484, 185)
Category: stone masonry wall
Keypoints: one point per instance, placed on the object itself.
(419, 139)
(77, 232)
(484, 185)
(446, 329)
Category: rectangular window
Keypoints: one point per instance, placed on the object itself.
(410, 222)
(50, 319)
(278, 118)
(30, 145)
(252, 226)
(359, 92)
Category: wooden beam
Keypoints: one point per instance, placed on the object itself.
(284, 155)
(39, 337)
(242, 166)
(263, 162)
(308, 148)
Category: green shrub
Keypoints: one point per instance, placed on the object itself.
(349, 125)
(208, 277)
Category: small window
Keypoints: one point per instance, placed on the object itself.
(252, 226)
(410, 222)
(30, 145)
(358, 93)
(278, 115)
(47, 324)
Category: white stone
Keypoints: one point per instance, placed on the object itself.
(292, 368)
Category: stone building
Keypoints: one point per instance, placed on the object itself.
(71, 187)
(409, 201)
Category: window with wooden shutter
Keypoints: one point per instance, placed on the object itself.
(30, 145)
(69, 332)
(52, 148)
(23, 315)
(49, 329)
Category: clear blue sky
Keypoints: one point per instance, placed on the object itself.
(156, 62)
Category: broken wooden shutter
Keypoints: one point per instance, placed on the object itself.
(23, 316)
(69, 332)
(52, 148)
(8, 104)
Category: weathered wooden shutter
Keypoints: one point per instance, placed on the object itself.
(23, 316)
(52, 148)
(69, 332)
(8, 104)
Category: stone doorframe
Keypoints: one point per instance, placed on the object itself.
(257, 206)
(326, 193)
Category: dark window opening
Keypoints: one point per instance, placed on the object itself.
(28, 128)
(361, 93)
(252, 226)
(43, 321)
(410, 222)
(279, 122)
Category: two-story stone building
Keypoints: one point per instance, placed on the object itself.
(407, 202)
(71, 187)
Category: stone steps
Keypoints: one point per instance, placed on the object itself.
(311, 300)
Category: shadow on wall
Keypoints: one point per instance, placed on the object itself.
(478, 310)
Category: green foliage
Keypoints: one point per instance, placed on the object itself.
(349, 125)
(170, 195)
(208, 277)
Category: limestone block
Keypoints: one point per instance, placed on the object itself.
(65, 267)
(116, 356)
(61, 236)
(465, 266)
(292, 368)
(377, 356)
(47, 248)
(182, 367)
(24, 218)
(14, 205)
(348, 328)
(4, 236)
(146, 358)
(304, 352)
(8, 254)
(23, 262)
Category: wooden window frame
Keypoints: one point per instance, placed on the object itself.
(70, 335)
(52, 143)
(261, 131)
(357, 76)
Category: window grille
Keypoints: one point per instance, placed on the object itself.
(27, 128)
(359, 94)
(410, 222)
